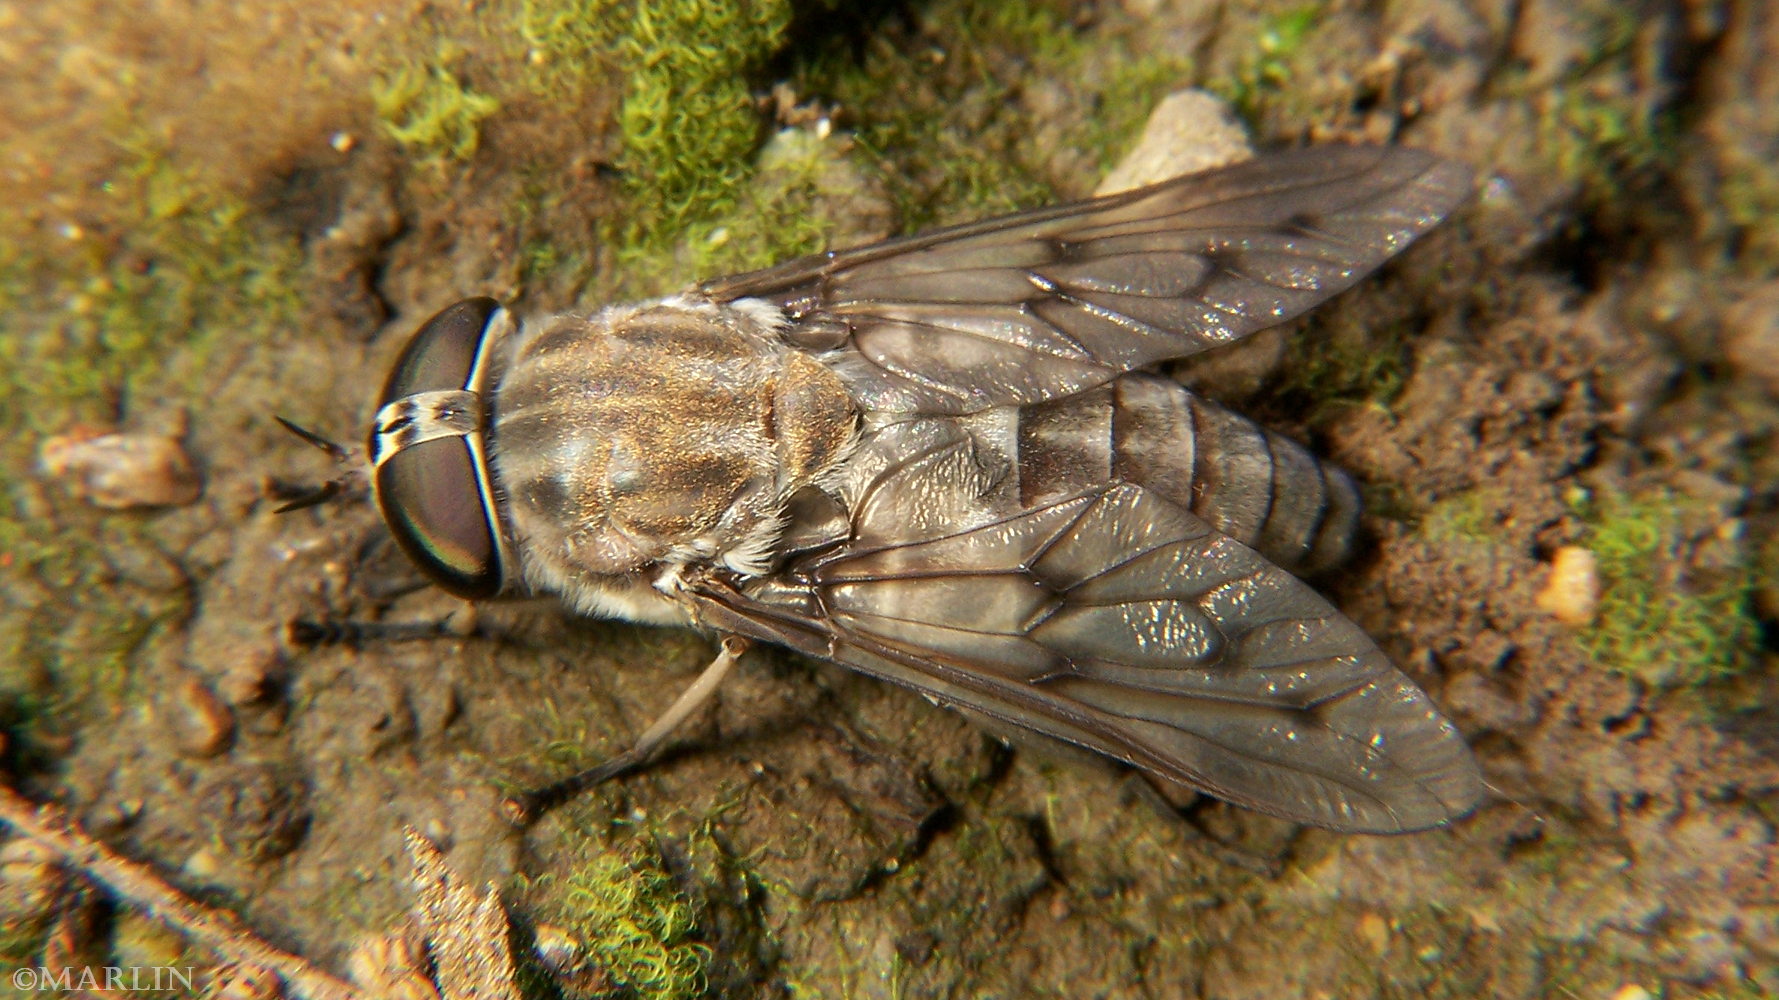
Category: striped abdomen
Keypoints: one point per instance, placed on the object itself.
(1255, 486)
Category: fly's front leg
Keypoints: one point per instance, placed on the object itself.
(305, 632)
(525, 808)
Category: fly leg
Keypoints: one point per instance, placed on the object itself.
(525, 808)
(305, 632)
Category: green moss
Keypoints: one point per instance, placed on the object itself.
(687, 121)
(69, 634)
(570, 44)
(427, 108)
(561, 746)
(688, 116)
(1263, 76)
(1658, 620)
(945, 139)
(1598, 136)
(949, 151)
(699, 194)
(780, 212)
(1366, 370)
(631, 923)
(801, 194)
(1131, 90)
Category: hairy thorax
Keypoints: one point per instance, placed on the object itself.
(641, 440)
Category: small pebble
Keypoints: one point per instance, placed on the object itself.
(1376, 932)
(555, 947)
(251, 676)
(203, 725)
(392, 967)
(139, 940)
(75, 930)
(202, 865)
(565, 956)
(31, 879)
(239, 981)
(1572, 594)
(119, 471)
(1751, 335)
(1189, 131)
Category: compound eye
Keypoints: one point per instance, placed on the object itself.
(442, 353)
(431, 498)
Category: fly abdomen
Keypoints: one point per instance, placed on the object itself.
(1258, 487)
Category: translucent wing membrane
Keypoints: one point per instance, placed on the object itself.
(1120, 622)
(1049, 302)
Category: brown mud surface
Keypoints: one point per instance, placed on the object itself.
(210, 220)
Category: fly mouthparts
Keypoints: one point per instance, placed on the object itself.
(332, 488)
(315, 497)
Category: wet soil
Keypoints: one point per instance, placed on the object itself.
(1587, 352)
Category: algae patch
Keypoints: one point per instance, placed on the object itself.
(1660, 619)
(1471, 517)
(172, 267)
(1346, 361)
(947, 112)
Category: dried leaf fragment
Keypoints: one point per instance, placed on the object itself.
(468, 933)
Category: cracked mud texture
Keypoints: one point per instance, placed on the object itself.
(221, 213)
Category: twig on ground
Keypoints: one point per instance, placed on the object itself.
(137, 885)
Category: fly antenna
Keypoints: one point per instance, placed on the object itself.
(334, 451)
(333, 487)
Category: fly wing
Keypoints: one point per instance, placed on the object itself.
(1049, 302)
(1117, 621)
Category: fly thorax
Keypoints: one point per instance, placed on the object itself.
(669, 434)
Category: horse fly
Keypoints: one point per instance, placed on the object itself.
(939, 460)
